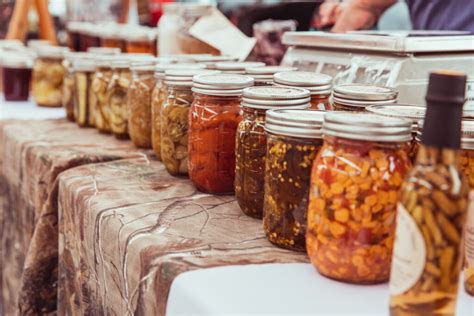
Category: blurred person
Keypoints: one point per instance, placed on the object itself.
(453, 15)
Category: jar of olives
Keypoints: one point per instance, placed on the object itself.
(354, 189)
(83, 75)
(48, 76)
(251, 141)
(263, 76)
(319, 85)
(237, 67)
(215, 115)
(100, 83)
(174, 118)
(158, 97)
(357, 96)
(294, 138)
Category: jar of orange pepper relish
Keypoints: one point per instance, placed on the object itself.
(357, 96)
(353, 196)
(263, 76)
(251, 141)
(213, 120)
(293, 141)
(319, 85)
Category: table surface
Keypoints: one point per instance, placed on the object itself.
(27, 111)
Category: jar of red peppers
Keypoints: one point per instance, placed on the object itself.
(175, 118)
(294, 138)
(16, 73)
(237, 67)
(357, 96)
(263, 76)
(251, 141)
(319, 85)
(355, 182)
(213, 120)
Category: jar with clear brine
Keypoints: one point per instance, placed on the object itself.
(48, 76)
(67, 96)
(263, 76)
(357, 96)
(175, 119)
(83, 74)
(353, 196)
(251, 141)
(100, 83)
(320, 86)
(139, 104)
(117, 92)
(293, 141)
(213, 120)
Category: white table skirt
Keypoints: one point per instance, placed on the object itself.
(279, 289)
(27, 111)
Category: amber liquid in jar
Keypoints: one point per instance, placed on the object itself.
(213, 124)
(159, 96)
(287, 179)
(16, 83)
(351, 214)
(144, 47)
(467, 167)
(320, 102)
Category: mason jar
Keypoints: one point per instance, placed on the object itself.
(237, 67)
(320, 86)
(294, 138)
(251, 141)
(354, 189)
(357, 96)
(211, 60)
(83, 68)
(16, 73)
(141, 40)
(263, 76)
(213, 120)
(100, 83)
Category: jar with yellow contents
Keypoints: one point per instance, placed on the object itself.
(293, 140)
(357, 96)
(353, 196)
(100, 83)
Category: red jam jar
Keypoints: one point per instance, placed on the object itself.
(16, 72)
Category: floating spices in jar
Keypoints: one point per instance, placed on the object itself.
(294, 138)
(83, 75)
(16, 73)
(48, 76)
(175, 118)
(353, 196)
(251, 141)
(213, 121)
(357, 96)
(237, 67)
(263, 76)
(319, 85)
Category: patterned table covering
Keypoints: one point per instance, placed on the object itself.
(126, 228)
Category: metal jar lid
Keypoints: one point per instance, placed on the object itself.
(413, 113)
(221, 84)
(16, 60)
(275, 98)
(295, 123)
(162, 67)
(184, 77)
(265, 73)
(316, 83)
(104, 50)
(83, 62)
(143, 66)
(236, 66)
(48, 51)
(362, 95)
(366, 127)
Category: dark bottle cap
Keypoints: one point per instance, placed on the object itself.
(445, 98)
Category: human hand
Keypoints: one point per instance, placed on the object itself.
(329, 12)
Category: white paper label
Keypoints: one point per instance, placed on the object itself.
(409, 253)
(469, 239)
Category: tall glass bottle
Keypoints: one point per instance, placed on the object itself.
(432, 209)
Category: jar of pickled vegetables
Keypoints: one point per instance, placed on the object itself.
(357, 96)
(100, 83)
(354, 189)
(158, 97)
(251, 141)
(16, 73)
(294, 138)
(319, 85)
(413, 113)
(48, 76)
(83, 74)
(139, 104)
(175, 118)
(237, 67)
(263, 76)
(117, 97)
(141, 40)
(67, 95)
(213, 120)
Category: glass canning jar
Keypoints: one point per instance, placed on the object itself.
(263, 76)
(100, 83)
(48, 76)
(73, 29)
(139, 104)
(354, 189)
(159, 96)
(319, 85)
(293, 141)
(67, 95)
(16, 73)
(213, 120)
(251, 141)
(141, 40)
(357, 96)
(83, 68)
(110, 38)
(117, 97)
(211, 60)
(237, 67)
(174, 121)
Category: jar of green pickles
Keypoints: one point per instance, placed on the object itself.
(251, 141)
(357, 96)
(294, 138)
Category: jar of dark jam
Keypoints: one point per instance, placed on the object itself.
(16, 72)
(294, 138)
(263, 76)
(73, 28)
(251, 141)
(357, 96)
(319, 85)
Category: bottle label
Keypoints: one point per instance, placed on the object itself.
(409, 254)
(469, 239)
